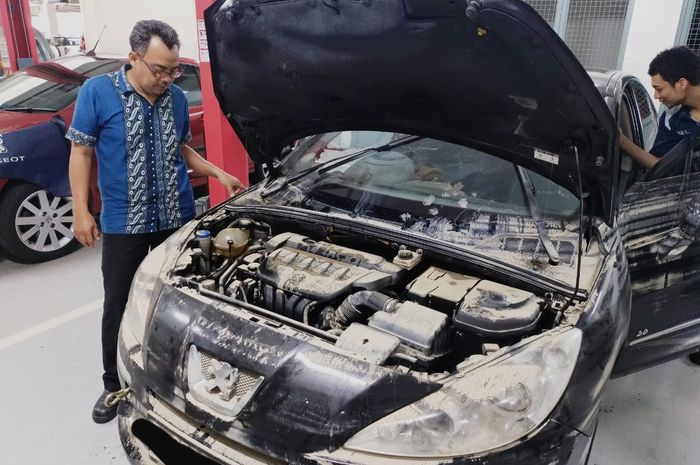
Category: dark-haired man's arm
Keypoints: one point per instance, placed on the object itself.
(639, 155)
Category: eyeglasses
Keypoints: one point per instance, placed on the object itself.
(161, 73)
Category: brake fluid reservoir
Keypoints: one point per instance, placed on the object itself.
(231, 242)
(204, 240)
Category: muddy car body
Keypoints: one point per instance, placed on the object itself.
(445, 267)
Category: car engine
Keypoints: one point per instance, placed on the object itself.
(397, 306)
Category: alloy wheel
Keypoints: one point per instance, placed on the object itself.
(43, 221)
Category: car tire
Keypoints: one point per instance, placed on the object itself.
(35, 225)
(694, 358)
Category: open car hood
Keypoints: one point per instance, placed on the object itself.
(490, 74)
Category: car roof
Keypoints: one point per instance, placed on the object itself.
(605, 81)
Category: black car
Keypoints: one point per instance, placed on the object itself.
(446, 266)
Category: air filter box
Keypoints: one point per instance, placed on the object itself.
(440, 289)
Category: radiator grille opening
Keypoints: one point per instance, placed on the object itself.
(168, 450)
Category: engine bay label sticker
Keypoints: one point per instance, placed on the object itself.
(549, 157)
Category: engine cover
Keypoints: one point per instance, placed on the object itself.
(321, 271)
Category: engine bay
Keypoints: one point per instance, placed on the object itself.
(378, 300)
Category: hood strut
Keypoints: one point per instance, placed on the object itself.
(574, 148)
(537, 215)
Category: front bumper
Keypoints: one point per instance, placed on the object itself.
(159, 435)
(162, 436)
(158, 425)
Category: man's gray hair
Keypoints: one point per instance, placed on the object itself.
(144, 30)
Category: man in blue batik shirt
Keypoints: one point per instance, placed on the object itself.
(138, 124)
(675, 77)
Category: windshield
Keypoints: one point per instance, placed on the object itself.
(447, 191)
(435, 173)
(24, 91)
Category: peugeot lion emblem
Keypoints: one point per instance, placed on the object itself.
(218, 385)
(225, 379)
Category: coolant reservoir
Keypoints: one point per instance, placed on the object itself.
(231, 242)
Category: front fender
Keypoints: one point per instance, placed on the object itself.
(38, 155)
(604, 323)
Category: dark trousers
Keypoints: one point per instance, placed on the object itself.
(121, 256)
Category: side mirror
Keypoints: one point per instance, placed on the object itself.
(680, 239)
(671, 247)
(690, 219)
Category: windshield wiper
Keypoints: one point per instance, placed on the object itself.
(536, 215)
(381, 148)
(322, 168)
(27, 109)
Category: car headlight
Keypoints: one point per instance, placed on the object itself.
(484, 409)
(147, 282)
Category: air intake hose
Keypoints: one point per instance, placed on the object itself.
(363, 304)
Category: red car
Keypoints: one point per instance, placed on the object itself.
(36, 107)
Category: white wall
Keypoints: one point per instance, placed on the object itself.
(120, 17)
(653, 28)
(68, 24)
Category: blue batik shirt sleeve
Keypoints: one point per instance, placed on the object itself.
(84, 127)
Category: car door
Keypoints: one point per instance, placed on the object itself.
(190, 85)
(658, 221)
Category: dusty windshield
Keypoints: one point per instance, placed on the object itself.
(446, 191)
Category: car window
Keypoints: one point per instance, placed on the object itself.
(627, 165)
(24, 90)
(428, 172)
(674, 163)
(647, 113)
(454, 193)
(189, 83)
(321, 148)
(43, 47)
(624, 119)
(664, 180)
(41, 51)
(695, 159)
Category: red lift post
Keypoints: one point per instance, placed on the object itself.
(223, 147)
(19, 35)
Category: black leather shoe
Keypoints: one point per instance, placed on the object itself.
(100, 412)
(695, 358)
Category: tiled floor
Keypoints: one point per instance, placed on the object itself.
(50, 364)
(50, 377)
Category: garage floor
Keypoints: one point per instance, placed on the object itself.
(50, 376)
